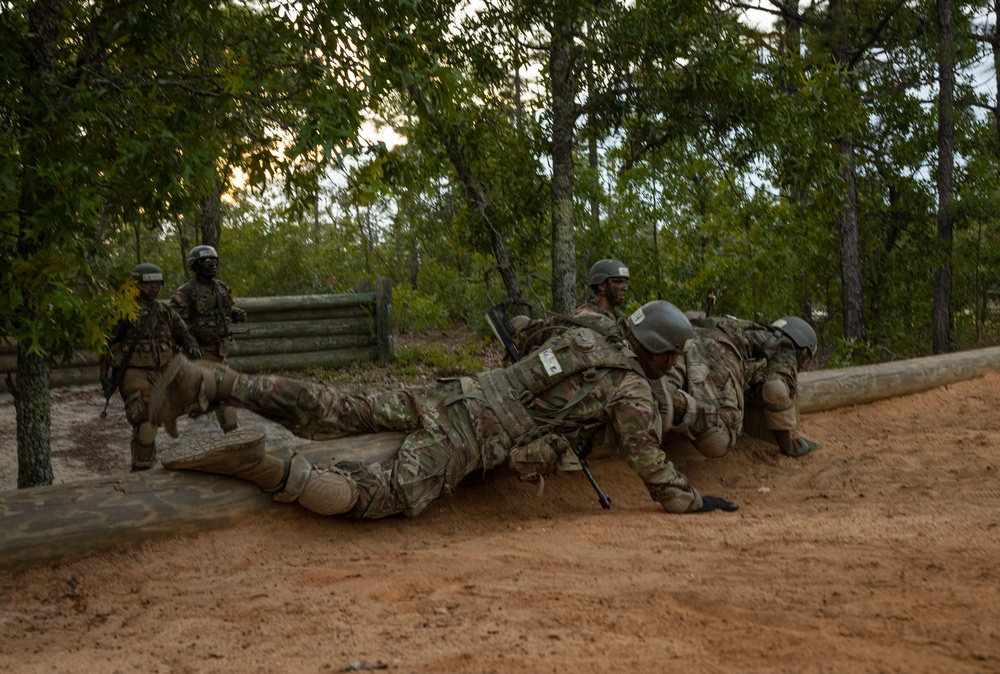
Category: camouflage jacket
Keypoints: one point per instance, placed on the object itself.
(163, 332)
(598, 387)
(208, 309)
(727, 365)
(605, 320)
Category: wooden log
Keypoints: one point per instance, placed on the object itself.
(298, 361)
(254, 305)
(46, 524)
(830, 389)
(350, 326)
(365, 311)
(69, 520)
(259, 347)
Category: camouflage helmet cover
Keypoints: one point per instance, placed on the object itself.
(605, 269)
(201, 253)
(660, 327)
(146, 273)
(799, 331)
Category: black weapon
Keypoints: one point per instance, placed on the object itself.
(118, 373)
(496, 317)
(499, 322)
(582, 450)
(709, 304)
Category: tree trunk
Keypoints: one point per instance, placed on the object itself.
(852, 289)
(33, 405)
(38, 134)
(562, 83)
(941, 316)
(211, 216)
(474, 190)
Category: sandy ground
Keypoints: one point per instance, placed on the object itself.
(880, 553)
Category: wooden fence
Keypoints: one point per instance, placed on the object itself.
(281, 333)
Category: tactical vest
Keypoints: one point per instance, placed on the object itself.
(207, 306)
(155, 350)
(510, 391)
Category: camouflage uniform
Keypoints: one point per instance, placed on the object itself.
(162, 331)
(730, 365)
(513, 414)
(208, 309)
(604, 318)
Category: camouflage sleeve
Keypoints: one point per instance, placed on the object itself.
(179, 330)
(783, 363)
(227, 297)
(180, 302)
(636, 424)
(234, 313)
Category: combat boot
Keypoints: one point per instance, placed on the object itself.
(239, 453)
(189, 386)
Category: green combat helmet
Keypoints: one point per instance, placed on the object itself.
(605, 269)
(660, 327)
(147, 273)
(799, 331)
(201, 253)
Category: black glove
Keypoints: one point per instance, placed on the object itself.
(801, 447)
(710, 503)
(194, 353)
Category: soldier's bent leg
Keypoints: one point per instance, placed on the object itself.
(325, 491)
(188, 385)
(143, 446)
(241, 454)
(714, 443)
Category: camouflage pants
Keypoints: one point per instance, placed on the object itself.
(716, 376)
(451, 433)
(135, 388)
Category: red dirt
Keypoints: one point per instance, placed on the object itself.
(880, 553)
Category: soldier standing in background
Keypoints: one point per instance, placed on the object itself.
(138, 352)
(609, 282)
(206, 305)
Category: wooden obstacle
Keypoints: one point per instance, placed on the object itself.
(70, 520)
(281, 333)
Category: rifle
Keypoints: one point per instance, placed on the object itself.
(118, 373)
(709, 304)
(582, 451)
(496, 318)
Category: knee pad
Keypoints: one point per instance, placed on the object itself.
(779, 408)
(146, 433)
(329, 493)
(776, 395)
(714, 443)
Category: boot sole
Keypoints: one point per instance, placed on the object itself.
(199, 451)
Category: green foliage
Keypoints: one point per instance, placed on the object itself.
(413, 360)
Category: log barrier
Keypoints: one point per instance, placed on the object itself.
(281, 333)
(46, 524)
